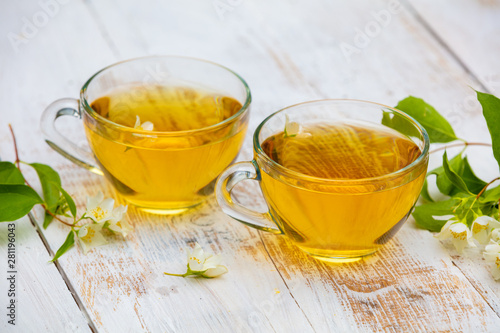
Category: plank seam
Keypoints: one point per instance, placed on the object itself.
(284, 282)
(102, 29)
(444, 45)
(70, 287)
(466, 68)
(476, 289)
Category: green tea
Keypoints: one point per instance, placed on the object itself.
(349, 218)
(156, 167)
(168, 108)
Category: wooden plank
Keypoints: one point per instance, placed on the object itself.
(123, 286)
(485, 165)
(408, 287)
(122, 289)
(288, 53)
(470, 30)
(45, 301)
(42, 299)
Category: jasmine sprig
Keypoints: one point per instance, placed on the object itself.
(17, 198)
(469, 196)
(202, 264)
(469, 215)
(101, 216)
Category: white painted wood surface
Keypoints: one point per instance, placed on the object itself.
(470, 30)
(44, 302)
(288, 51)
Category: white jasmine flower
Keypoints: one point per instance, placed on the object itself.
(90, 236)
(198, 261)
(203, 264)
(145, 126)
(291, 128)
(459, 233)
(215, 272)
(492, 256)
(482, 227)
(196, 258)
(98, 209)
(495, 235)
(117, 223)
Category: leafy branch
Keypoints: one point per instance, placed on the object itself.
(455, 178)
(17, 198)
(470, 209)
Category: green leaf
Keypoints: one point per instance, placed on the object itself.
(47, 219)
(424, 214)
(49, 179)
(69, 200)
(399, 123)
(474, 184)
(462, 168)
(453, 176)
(443, 183)
(10, 174)
(490, 210)
(492, 194)
(437, 126)
(16, 201)
(491, 112)
(68, 244)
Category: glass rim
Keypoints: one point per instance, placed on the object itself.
(91, 112)
(329, 181)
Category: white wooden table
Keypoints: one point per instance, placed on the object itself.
(288, 51)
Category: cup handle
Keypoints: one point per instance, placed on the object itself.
(68, 149)
(225, 184)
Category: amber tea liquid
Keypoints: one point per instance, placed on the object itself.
(160, 171)
(351, 219)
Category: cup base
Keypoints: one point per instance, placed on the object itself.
(169, 208)
(156, 211)
(340, 258)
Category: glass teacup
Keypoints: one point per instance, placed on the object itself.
(335, 204)
(161, 128)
